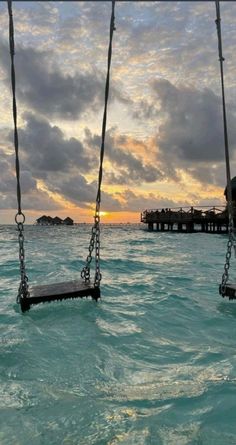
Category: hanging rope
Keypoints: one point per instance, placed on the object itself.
(20, 217)
(231, 240)
(95, 236)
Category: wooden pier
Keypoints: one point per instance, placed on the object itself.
(187, 219)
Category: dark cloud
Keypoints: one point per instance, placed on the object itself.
(192, 130)
(32, 196)
(80, 192)
(129, 167)
(75, 188)
(44, 148)
(190, 135)
(46, 155)
(41, 84)
(39, 200)
(134, 202)
(207, 174)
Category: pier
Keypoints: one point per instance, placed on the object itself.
(187, 219)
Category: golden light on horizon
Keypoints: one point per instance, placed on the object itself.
(101, 213)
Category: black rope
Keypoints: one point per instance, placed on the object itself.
(231, 240)
(14, 107)
(221, 60)
(112, 29)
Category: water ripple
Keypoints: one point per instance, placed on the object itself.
(152, 363)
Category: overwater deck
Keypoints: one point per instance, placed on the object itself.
(187, 219)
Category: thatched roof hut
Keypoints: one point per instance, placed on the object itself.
(68, 221)
(44, 220)
(57, 220)
(49, 221)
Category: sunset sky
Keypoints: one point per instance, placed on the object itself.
(164, 142)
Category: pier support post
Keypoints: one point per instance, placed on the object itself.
(190, 227)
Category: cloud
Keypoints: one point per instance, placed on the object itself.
(206, 173)
(137, 202)
(43, 86)
(73, 188)
(190, 133)
(32, 196)
(178, 119)
(46, 155)
(45, 149)
(192, 129)
(129, 167)
(82, 193)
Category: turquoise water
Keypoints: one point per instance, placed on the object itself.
(154, 362)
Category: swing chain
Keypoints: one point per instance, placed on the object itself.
(231, 243)
(20, 217)
(23, 288)
(95, 235)
(225, 275)
(94, 242)
(98, 275)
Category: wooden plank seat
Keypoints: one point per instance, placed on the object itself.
(230, 291)
(59, 291)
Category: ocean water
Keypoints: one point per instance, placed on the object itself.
(153, 362)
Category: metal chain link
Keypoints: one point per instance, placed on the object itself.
(23, 290)
(94, 243)
(225, 276)
(20, 217)
(231, 243)
(98, 275)
(95, 235)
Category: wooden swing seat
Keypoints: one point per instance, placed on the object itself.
(230, 291)
(59, 291)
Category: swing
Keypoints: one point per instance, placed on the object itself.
(226, 289)
(28, 296)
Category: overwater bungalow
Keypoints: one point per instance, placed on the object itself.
(68, 221)
(56, 221)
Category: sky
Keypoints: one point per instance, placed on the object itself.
(164, 141)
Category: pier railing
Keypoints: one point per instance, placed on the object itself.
(184, 214)
(191, 219)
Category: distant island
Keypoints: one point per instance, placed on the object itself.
(49, 221)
